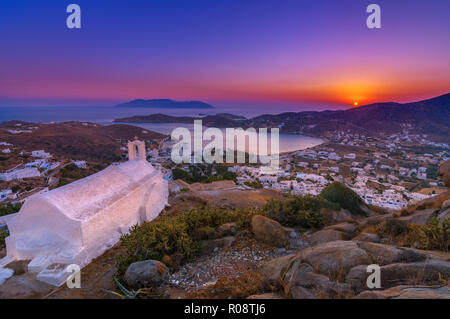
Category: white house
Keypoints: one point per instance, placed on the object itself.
(27, 172)
(40, 154)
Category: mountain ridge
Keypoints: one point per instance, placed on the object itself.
(166, 103)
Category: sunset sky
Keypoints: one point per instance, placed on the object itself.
(225, 52)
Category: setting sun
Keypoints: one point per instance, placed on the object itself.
(355, 103)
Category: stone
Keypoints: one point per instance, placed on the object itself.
(334, 258)
(420, 217)
(213, 245)
(384, 254)
(429, 271)
(271, 270)
(227, 229)
(302, 283)
(335, 216)
(145, 274)
(445, 204)
(269, 231)
(373, 238)
(444, 172)
(443, 215)
(344, 227)
(326, 235)
(407, 292)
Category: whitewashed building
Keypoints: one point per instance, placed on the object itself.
(77, 222)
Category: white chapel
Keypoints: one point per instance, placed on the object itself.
(77, 222)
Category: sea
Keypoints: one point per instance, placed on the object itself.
(105, 115)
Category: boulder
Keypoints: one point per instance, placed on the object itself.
(145, 274)
(420, 217)
(269, 231)
(335, 216)
(384, 254)
(445, 204)
(443, 215)
(271, 270)
(344, 227)
(444, 173)
(300, 282)
(335, 258)
(211, 245)
(326, 235)
(407, 292)
(373, 238)
(226, 230)
(402, 273)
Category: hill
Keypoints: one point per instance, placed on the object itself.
(75, 140)
(427, 117)
(166, 103)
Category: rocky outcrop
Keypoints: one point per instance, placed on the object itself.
(335, 257)
(420, 217)
(326, 235)
(348, 228)
(402, 273)
(444, 173)
(384, 254)
(147, 273)
(339, 269)
(300, 282)
(368, 237)
(269, 231)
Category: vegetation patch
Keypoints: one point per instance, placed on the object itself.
(200, 173)
(9, 209)
(177, 238)
(3, 234)
(346, 198)
(433, 235)
(299, 211)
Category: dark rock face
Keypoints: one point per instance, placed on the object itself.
(147, 273)
(444, 173)
(326, 235)
(401, 273)
(269, 231)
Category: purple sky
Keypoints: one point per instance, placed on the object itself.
(296, 53)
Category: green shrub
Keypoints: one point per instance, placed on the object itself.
(339, 193)
(434, 235)
(176, 236)
(392, 228)
(301, 211)
(9, 209)
(3, 235)
(153, 241)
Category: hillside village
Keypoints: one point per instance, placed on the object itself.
(390, 172)
(389, 178)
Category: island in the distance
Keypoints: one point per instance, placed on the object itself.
(166, 103)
